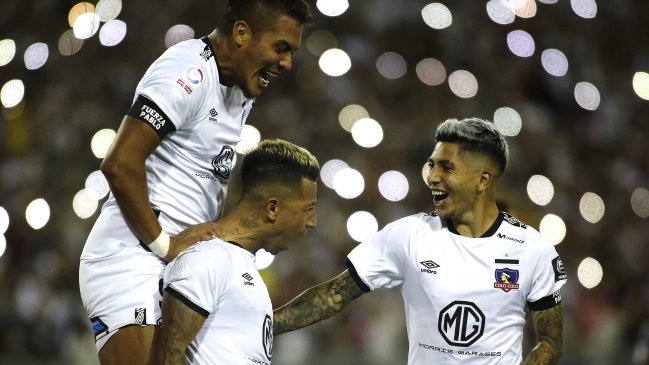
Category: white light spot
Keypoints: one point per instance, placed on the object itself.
(591, 207)
(508, 121)
(86, 25)
(320, 41)
(37, 213)
(250, 138)
(96, 185)
(431, 71)
(437, 16)
(101, 142)
(263, 259)
(393, 185)
(587, 95)
(540, 190)
(523, 8)
(520, 43)
(332, 7)
(7, 51)
(362, 225)
(549, 1)
(553, 228)
(178, 33)
(112, 33)
(4, 220)
(425, 171)
(348, 183)
(554, 62)
(69, 44)
(36, 55)
(640, 202)
(108, 9)
(391, 65)
(590, 273)
(463, 84)
(3, 244)
(12, 93)
(499, 12)
(79, 9)
(584, 8)
(84, 206)
(329, 169)
(350, 115)
(335, 62)
(641, 84)
(367, 132)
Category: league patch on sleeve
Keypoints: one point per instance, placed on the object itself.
(191, 79)
(559, 270)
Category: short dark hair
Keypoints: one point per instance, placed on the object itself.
(259, 13)
(278, 161)
(475, 135)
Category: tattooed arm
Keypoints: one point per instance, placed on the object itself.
(317, 303)
(180, 326)
(548, 326)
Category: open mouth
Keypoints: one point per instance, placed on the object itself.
(265, 76)
(439, 196)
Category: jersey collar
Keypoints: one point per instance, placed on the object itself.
(490, 232)
(216, 61)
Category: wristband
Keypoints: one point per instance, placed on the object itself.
(160, 245)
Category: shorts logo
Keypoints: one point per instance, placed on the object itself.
(140, 316)
(99, 328)
(559, 270)
(506, 279)
(267, 337)
(429, 266)
(461, 323)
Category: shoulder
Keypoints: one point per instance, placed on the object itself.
(415, 223)
(207, 253)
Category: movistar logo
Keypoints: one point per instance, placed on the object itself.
(505, 237)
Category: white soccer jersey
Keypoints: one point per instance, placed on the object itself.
(464, 297)
(220, 281)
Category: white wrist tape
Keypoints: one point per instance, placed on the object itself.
(160, 245)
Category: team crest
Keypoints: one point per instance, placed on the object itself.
(506, 279)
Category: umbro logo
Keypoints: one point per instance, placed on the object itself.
(429, 266)
(248, 278)
(213, 114)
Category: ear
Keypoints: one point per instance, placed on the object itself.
(241, 32)
(272, 209)
(486, 178)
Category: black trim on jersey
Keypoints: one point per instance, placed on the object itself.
(544, 303)
(507, 261)
(490, 232)
(357, 279)
(195, 307)
(150, 113)
(216, 61)
(235, 243)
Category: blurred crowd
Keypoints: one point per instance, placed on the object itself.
(45, 153)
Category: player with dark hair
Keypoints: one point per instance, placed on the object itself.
(170, 165)
(216, 308)
(466, 272)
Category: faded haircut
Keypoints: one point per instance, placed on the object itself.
(278, 161)
(475, 135)
(260, 14)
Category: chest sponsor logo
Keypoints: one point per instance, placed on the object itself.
(461, 323)
(248, 278)
(505, 237)
(429, 265)
(506, 279)
(559, 270)
(267, 337)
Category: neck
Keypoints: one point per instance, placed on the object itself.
(223, 49)
(477, 221)
(243, 228)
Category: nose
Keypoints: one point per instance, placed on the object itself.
(286, 63)
(433, 177)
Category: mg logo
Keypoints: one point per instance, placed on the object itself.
(461, 323)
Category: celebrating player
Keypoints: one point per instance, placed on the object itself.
(466, 272)
(169, 166)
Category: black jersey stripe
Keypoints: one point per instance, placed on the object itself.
(195, 307)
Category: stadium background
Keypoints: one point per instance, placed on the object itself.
(592, 149)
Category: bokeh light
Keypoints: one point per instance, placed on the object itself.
(590, 272)
(499, 12)
(348, 183)
(69, 44)
(587, 95)
(329, 169)
(79, 9)
(367, 132)
(362, 225)
(12, 93)
(524, 8)
(263, 259)
(391, 65)
(553, 228)
(4, 220)
(320, 41)
(425, 170)
(520, 43)
(36, 55)
(584, 8)
(591, 207)
(540, 190)
(350, 114)
(554, 62)
(334, 62)
(250, 138)
(431, 71)
(641, 84)
(640, 202)
(108, 9)
(463, 84)
(37, 213)
(508, 121)
(393, 185)
(437, 16)
(3, 244)
(96, 185)
(178, 33)
(101, 141)
(86, 25)
(83, 205)
(332, 7)
(112, 33)
(7, 51)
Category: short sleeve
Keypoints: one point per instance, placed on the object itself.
(379, 262)
(548, 278)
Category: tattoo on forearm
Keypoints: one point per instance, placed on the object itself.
(549, 331)
(180, 326)
(317, 303)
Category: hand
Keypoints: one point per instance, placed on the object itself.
(191, 235)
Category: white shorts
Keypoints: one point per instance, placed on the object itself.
(118, 278)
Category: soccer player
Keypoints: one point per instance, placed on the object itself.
(169, 167)
(216, 308)
(466, 272)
